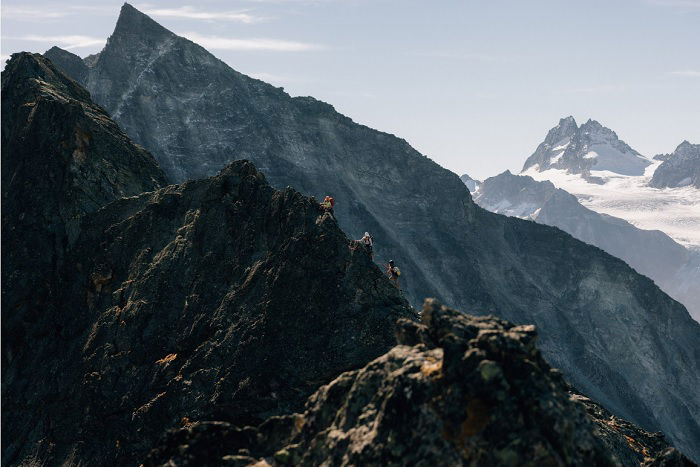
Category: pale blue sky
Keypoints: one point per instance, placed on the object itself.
(475, 85)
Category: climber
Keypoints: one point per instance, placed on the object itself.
(328, 204)
(394, 274)
(368, 242)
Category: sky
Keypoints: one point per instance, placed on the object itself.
(474, 85)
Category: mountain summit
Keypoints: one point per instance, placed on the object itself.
(580, 150)
(196, 115)
(680, 168)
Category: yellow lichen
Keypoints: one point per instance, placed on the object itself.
(167, 359)
(431, 367)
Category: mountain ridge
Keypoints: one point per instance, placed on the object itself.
(422, 216)
(678, 169)
(220, 298)
(651, 253)
(580, 150)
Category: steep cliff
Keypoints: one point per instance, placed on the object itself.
(613, 332)
(217, 299)
(62, 157)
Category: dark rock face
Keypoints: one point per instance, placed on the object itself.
(195, 114)
(582, 149)
(458, 390)
(651, 252)
(218, 299)
(680, 168)
(62, 157)
(71, 64)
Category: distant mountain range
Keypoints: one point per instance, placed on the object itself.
(678, 169)
(581, 150)
(612, 188)
(616, 336)
(673, 267)
(609, 177)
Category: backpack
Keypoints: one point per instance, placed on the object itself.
(397, 271)
(331, 200)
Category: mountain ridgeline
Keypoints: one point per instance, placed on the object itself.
(224, 299)
(581, 149)
(674, 268)
(613, 333)
(129, 308)
(680, 168)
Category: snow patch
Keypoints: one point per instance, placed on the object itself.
(674, 211)
(556, 158)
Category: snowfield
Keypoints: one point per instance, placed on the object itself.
(674, 211)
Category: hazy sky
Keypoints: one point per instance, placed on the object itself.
(475, 85)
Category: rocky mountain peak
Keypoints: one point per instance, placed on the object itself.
(565, 129)
(472, 184)
(26, 72)
(680, 168)
(584, 149)
(132, 24)
(686, 146)
(68, 63)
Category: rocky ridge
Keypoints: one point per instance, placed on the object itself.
(680, 168)
(456, 390)
(580, 150)
(195, 113)
(216, 299)
(62, 157)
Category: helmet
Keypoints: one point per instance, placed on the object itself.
(391, 262)
(366, 234)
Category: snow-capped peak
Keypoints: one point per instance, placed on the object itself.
(585, 149)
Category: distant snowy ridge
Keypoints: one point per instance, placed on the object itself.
(607, 176)
(674, 268)
(581, 150)
(680, 168)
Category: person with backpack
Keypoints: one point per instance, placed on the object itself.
(394, 273)
(328, 204)
(368, 242)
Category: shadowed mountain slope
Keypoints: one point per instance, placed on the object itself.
(457, 390)
(616, 336)
(651, 252)
(217, 299)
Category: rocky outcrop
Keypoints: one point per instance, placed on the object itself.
(62, 157)
(680, 168)
(457, 390)
(70, 64)
(471, 183)
(580, 150)
(195, 114)
(217, 299)
(673, 267)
